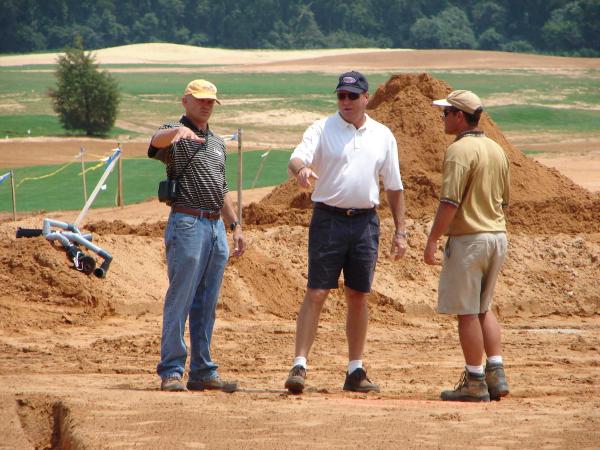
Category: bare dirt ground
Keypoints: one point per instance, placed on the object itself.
(327, 60)
(79, 353)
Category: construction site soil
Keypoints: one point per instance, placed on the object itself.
(79, 353)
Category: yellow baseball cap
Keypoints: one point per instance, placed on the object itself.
(466, 101)
(202, 89)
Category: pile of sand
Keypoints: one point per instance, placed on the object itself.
(542, 200)
(41, 275)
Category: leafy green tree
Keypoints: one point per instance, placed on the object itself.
(565, 26)
(591, 27)
(306, 30)
(449, 29)
(146, 29)
(425, 33)
(518, 46)
(490, 39)
(85, 98)
(114, 32)
(300, 31)
(563, 31)
(28, 38)
(488, 15)
(343, 39)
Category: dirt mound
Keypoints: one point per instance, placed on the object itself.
(264, 213)
(39, 274)
(119, 227)
(403, 103)
(256, 283)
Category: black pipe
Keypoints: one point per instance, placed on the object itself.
(28, 232)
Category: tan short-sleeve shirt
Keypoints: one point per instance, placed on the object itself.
(476, 179)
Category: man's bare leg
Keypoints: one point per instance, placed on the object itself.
(357, 319)
(308, 320)
(491, 334)
(471, 338)
(306, 330)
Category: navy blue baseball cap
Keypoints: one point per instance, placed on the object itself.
(352, 82)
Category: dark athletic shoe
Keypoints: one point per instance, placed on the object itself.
(357, 381)
(470, 388)
(295, 380)
(214, 384)
(496, 381)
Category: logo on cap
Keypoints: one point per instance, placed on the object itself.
(352, 82)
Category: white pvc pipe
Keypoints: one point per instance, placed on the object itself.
(115, 156)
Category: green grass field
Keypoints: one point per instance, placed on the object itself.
(522, 101)
(547, 120)
(64, 191)
(40, 125)
(150, 98)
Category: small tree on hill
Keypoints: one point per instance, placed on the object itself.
(85, 98)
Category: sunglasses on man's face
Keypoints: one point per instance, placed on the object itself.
(450, 110)
(345, 95)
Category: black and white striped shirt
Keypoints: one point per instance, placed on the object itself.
(202, 185)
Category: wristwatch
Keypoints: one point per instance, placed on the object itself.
(234, 224)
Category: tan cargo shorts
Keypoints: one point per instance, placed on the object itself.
(471, 266)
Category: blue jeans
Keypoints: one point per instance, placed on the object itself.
(197, 253)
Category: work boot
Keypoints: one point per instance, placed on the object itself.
(496, 381)
(212, 384)
(470, 388)
(172, 383)
(357, 381)
(295, 380)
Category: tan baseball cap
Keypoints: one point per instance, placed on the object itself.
(466, 101)
(202, 89)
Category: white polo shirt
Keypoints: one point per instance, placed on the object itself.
(349, 161)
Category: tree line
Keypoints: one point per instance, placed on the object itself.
(549, 26)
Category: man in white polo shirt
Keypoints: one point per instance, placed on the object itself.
(475, 189)
(345, 155)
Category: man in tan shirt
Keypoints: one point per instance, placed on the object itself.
(475, 189)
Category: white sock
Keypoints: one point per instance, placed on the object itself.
(299, 361)
(354, 364)
(478, 370)
(495, 359)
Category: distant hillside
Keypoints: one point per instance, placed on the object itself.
(162, 53)
(321, 60)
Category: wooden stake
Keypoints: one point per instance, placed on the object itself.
(120, 180)
(14, 196)
(239, 184)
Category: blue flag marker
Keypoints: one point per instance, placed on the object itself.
(112, 157)
(4, 177)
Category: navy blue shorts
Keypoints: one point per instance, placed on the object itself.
(338, 242)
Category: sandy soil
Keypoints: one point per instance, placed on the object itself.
(161, 53)
(327, 60)
(583, 168)
(79, 353)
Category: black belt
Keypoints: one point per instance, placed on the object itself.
(344, 211)
(197, 212)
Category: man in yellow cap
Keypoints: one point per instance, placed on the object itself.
(475, 189)
(195, 239)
